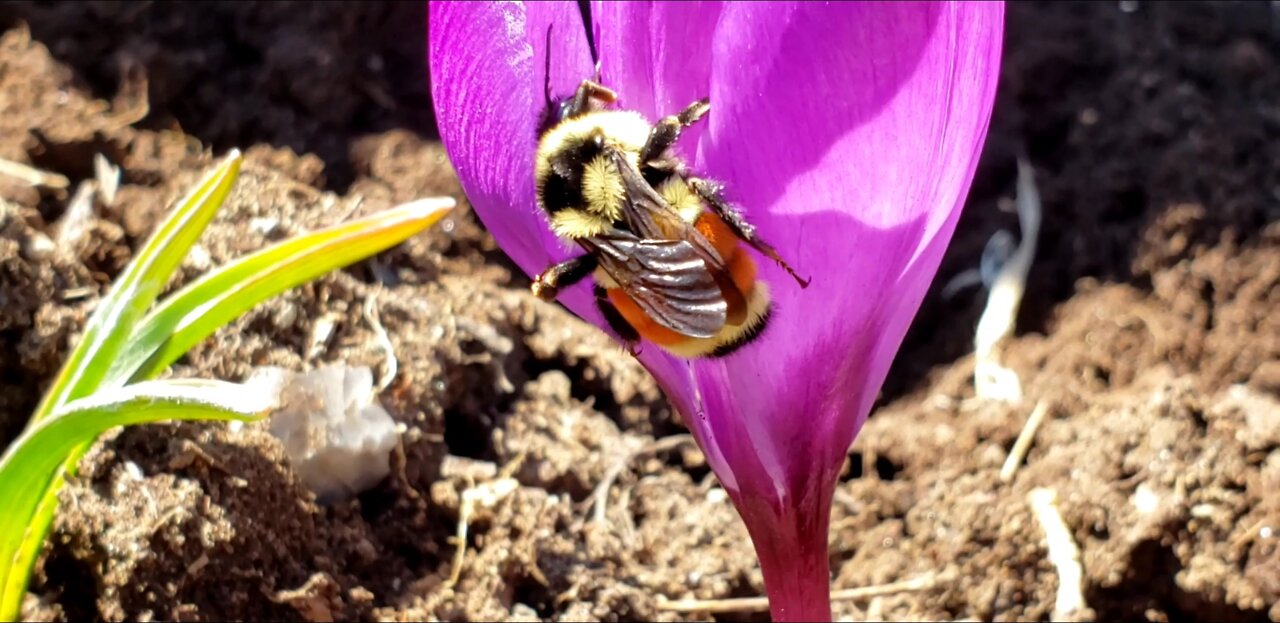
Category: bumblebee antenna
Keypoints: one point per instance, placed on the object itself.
(546, 76)
(584, 9)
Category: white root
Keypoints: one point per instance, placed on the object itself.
(600, 496)
(1064, 555)
(390, 364)
(992, 380)
(999, 249)
(483, 496)
(486, 495)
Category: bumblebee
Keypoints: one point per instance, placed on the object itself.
(663, 246)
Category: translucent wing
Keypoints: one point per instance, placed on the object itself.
(668, 280)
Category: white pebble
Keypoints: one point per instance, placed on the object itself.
(336, 434)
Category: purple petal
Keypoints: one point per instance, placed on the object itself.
(487, 70)
(850, 133)
(657, 55)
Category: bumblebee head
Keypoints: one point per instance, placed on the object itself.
(555, 111)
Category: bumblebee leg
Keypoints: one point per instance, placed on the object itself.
(614, 318)
(567, 273)
(710, 193)
(667, 131)
(587, 91)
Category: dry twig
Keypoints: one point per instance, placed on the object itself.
(1063, 554)
(131, 104)
(1020, 447)
(760, 604)
(875, 610)
(33, 176)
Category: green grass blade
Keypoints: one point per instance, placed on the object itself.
(197, 310)
(112, 323)
(18, 572)
(35, 461)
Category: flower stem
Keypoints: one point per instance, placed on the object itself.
(792, 549)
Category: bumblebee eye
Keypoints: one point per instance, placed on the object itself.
(597, 138)
(564, 107)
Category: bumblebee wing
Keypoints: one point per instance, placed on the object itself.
(667, 279)
(651, 218)
(646, 213)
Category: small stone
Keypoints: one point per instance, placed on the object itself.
(334, 431)
(38, 247)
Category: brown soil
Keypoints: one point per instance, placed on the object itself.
(1148, 328)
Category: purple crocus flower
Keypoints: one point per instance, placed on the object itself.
(847, 132)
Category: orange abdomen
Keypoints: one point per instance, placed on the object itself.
(741, 267)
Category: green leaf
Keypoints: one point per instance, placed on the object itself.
(112, 323)
(203, 306)
(108, 330)
(34, 462)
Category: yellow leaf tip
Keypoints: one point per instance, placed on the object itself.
(431, 204)
(430, 208)
(230, 164)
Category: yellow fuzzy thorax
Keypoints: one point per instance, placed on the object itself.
(602, 188)
(682, 198)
